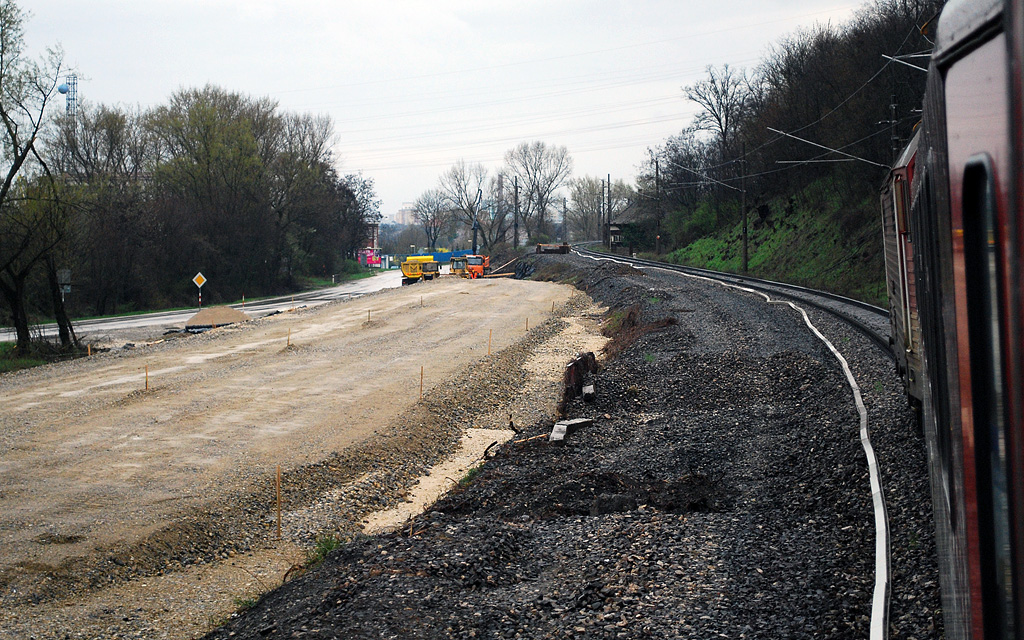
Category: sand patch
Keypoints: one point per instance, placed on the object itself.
(216, 317)
(439, 480)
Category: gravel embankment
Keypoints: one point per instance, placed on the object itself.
(721, 491)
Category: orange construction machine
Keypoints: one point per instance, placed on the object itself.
(478, 266)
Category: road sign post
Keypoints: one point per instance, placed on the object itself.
(64, 282)
(200, 280)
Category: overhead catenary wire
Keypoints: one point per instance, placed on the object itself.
(389, 152)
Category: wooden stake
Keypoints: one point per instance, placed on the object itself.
(537, 437)
(527, 324)
(552, 306)
(490, 334)
(289, 336)
(147, 377)
(367, 315)
(421, 382)
(421, 301)
(278, 502)
(89, 347)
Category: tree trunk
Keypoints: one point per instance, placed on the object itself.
(14, 293)
(67, 332)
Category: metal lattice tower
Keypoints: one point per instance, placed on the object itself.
(72, 94)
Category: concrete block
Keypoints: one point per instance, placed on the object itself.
(588, 393)
(565, 428)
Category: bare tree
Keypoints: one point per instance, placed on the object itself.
(722, 98)
(586, 208)
(101, 153)
(588, 205)
(432, 213)
(26, 89)
(463, 186)
(496, 211)
(541, 171)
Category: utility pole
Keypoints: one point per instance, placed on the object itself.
(476, 216)
(608, 209)
(515, 214)
(600, 216)
(502, 208)
(743, 201)
(892, 128)
(565, 207)
(659, 212)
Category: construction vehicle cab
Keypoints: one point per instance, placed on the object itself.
(458, 267)
(478, 266)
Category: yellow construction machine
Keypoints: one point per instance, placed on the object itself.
(416, 268)
(458, 267)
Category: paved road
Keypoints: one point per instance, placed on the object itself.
(384, 280)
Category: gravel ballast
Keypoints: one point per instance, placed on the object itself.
(721, 491)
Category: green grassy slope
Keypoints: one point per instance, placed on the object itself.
(813, 241)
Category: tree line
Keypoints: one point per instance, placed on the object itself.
(762, 135)
(127, 205)
(531, 198)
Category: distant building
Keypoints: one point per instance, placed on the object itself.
(406, 214)
(632, 216)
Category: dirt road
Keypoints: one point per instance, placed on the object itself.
(90, 459)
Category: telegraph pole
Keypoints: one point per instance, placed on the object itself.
(565, 207)
(743, 200)
(476, 216)
(515, 214)
(660, 211)
(892, 128)
(608, 210)
(601, 215)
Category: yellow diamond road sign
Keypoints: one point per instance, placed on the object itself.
(200, 279)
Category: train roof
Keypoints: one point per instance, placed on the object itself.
(961, 20)
(908, 151)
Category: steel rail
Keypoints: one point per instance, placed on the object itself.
(803, 294)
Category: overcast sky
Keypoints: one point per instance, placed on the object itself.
(415, 86)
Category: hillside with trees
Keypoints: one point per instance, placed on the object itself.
(801, 144)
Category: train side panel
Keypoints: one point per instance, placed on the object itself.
(931, 233)
(1015, 261)
(967, 235)
(978, 157)
(904, 319)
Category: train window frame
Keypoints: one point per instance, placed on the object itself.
(900, 203)
(983, 261)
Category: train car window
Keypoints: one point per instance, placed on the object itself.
(899, 198)
(982, 260)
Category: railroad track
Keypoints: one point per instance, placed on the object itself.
(871, 321)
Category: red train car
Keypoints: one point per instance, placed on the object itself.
(905, 324)
(966, 232)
